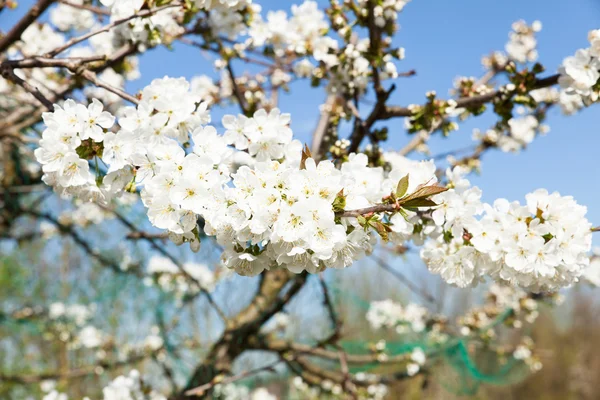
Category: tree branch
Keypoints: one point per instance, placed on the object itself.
(396, 111)
(95, 10)
(106, 28)
(90, 76)
(368, 210)
(11, 76)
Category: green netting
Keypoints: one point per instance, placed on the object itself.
(461, 365)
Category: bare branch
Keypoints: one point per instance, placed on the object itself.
(11, 76)
(95, 10)
(402, 278)
(80, 372)
(396, 111)
(318, 138)
(336, 323)
(236, 90)
(70, 231)
(244, 327)
(106, 28)
(368, 210)
(165, 253)
(201, 390)
(43, 62)
(90, 76)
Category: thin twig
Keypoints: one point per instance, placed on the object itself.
(236, 90)
(333, 316)
(90, 76)
(43, 62)
(368, 210)
(75, 373)
(106, 28)
(9, 74)
(95, 10)
(200, 390)
(402, 278)
(396, 111)
(165, 253)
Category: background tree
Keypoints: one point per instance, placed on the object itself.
(106, 192)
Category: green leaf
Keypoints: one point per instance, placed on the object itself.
(421, 202)
(361, 220)
(448, 236)
(402, 187)
(548, 237)
(339, 204)
(88, 149)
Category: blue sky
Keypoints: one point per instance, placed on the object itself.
(445, 39)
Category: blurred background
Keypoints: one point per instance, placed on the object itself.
(443, 40)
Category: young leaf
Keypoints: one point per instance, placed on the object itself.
(423, 192)
(362, 221)
(382, 229)
(402, 187)
(414, 203)
(339, 204)
(306, 154)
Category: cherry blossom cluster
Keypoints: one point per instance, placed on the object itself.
(287, 214)
(78, 313)
(592, 272)
(569, 102)
(71, 324)
(522, 43)
(264, 213)
(36, 39)
(329, 389)
(66, 17)
(161, 26)
(524, 352)
(191, 278)
(520, 48)
(70, 129)
(305, 33)
(85, 214)
(542, 245)
(43, 37)
(232, 391)
(386, 12)
(580, 73)
(521, 131)
(500, 299)
(131, 387)
(230, 18)
(389, 314)
(55, 395)
(417, 360)
(353, 73)
(302, 33)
